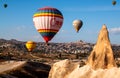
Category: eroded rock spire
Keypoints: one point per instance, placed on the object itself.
(102, 54)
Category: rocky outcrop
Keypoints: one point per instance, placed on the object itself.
(100, 63)
(62, 69)
(102, 54)
(69, 69)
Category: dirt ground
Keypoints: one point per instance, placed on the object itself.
(34, 65)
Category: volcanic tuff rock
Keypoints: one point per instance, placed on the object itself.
(102, 54)
(100, 63)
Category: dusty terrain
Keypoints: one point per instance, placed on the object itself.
(35, 64)
(30, 65)
(25, 70)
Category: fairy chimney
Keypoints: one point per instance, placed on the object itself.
(102, 54)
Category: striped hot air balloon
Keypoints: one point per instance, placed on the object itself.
(30, 45)
(48, 21)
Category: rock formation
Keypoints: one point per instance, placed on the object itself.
(100, 63)
(102, 54)
(69, 69)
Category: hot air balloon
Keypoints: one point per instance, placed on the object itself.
(48, 21)
(77, 24)
(30, 45)
(114, 2)
(5, 5)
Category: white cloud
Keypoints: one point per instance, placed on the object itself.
(22, 28)
(114, 30)
(62, 31)
(19, 28)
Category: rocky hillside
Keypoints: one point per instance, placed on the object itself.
(72, 47)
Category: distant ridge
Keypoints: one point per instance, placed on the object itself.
(71, 47)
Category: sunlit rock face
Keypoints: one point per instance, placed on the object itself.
(62, 69)
(68, 69)
(100, 63)
(102, 54)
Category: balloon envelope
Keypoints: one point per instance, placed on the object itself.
(114, 2)
(30, 45)
(77, 24)
(48, 21)
(5, 5)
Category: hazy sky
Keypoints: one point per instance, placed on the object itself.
(16, 20)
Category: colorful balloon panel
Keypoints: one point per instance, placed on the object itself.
(48, 21)
(30, 45)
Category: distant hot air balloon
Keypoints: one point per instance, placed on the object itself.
(5, 5)
(48, 21)
(114, 2)
(30, 45)
(77, 24)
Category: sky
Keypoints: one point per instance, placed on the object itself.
(16, 21)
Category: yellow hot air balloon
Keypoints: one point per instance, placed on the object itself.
(77, 24)
(30, 45)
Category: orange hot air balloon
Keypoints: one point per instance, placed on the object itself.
(30, 45)
(77, 24)
(48, 21)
